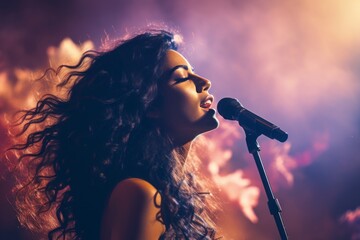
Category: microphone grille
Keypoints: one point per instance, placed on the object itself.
(229, 108)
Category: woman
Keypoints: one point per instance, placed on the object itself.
(110, 161)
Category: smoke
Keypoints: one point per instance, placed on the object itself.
(234, 185)
(26, 87)
(294, 63)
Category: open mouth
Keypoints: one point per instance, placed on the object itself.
(207, 102)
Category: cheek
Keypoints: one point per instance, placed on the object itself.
(182, 106)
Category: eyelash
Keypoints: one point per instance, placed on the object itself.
(182, 79)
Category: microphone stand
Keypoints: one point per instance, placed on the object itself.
(273, 203)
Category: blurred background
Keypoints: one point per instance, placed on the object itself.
(295, 63)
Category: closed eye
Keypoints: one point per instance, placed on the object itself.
(182, 71)
(178, 80)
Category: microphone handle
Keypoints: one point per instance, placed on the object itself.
(253, 122)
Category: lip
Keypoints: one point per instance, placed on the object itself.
(207, 102)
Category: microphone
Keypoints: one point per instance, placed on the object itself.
(231, 109)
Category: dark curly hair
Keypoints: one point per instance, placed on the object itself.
(81, 146)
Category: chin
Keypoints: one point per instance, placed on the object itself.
(210, 121)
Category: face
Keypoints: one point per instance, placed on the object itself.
(185, 108)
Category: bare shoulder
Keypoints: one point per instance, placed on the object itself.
(132, 211)
(133, 187)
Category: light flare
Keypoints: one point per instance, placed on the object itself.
(351, 216)
(352, 219)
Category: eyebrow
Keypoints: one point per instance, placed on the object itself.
(179, 66)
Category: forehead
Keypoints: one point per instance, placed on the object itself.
(174, 58)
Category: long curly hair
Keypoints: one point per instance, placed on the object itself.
(100, 134)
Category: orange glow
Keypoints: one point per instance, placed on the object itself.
(234, 185)
(27, 90)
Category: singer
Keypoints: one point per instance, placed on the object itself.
(110, 160)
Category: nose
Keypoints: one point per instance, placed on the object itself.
(203, 84)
